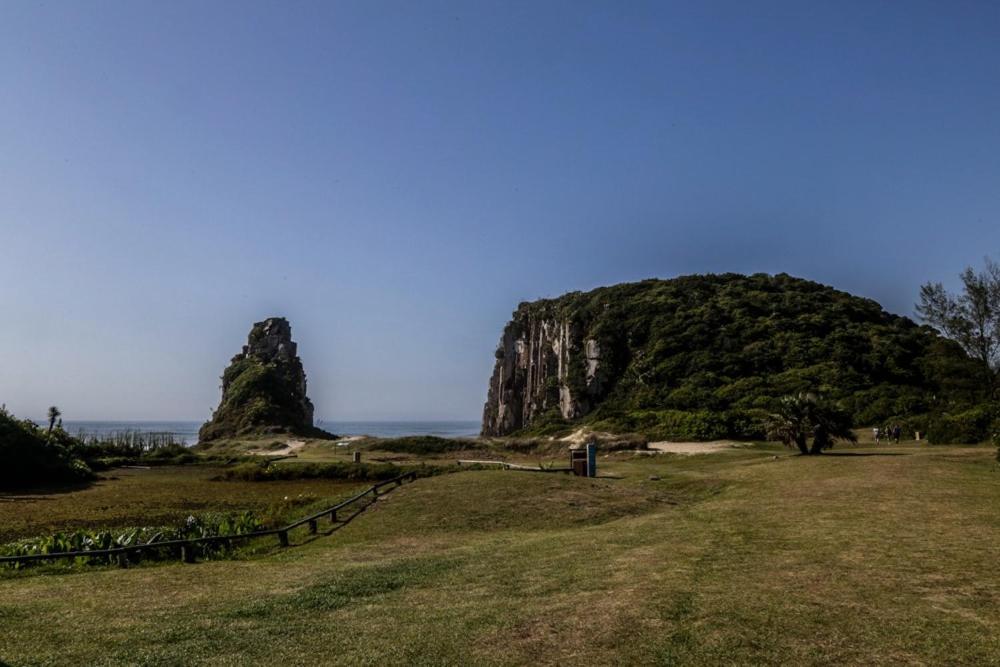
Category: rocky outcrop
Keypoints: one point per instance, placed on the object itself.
(707, 357)
(264, 388)
(544, 364)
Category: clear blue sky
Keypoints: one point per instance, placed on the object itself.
(394, 177)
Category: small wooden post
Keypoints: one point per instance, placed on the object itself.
(312, 526)
(283, 538)
(333, 516)
(187, 553)
(123, 559)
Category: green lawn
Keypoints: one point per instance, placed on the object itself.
(863, 556)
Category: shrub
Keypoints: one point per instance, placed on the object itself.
(687, 424)
(132, 448)
(425, 444)
(30, 456)
(965, 428)
(356, 472)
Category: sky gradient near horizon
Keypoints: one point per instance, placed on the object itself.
(395, 177)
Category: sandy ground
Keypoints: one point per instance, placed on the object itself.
(689, 448)
(580, 436)
(290, 447)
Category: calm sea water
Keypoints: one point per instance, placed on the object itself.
(188, 430)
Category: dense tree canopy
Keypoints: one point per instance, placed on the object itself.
(712, 355)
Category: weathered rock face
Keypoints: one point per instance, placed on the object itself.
(264, 388)
(543, 363)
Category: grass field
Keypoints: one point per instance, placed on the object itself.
(155, 496)
(866, 556)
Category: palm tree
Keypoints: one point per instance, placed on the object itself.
(54, 414)
(790, 424)
(799, 417)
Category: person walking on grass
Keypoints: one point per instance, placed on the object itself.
(897, 430)
(877, 432)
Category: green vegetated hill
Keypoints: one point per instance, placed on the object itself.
(706, 356)
(263, 388)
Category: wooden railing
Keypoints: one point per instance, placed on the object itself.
(186, 549)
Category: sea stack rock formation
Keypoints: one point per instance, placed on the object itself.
(705, 357)
(264, 388)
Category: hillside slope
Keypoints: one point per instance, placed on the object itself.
(704, 356)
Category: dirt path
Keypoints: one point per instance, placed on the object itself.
(290, 448)
(689, 448)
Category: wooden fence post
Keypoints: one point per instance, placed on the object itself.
(187, 553)
(283, 538)
(312, 526)
(333, 516)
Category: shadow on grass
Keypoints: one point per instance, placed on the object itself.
(42, 492)
(338, 524)
(866, 454)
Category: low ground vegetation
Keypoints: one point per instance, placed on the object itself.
(159, 496)
(266, 471)
(204, 525)
(131, 448)
(666, 560)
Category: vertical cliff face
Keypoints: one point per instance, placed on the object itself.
(264, 387)
(544, 363)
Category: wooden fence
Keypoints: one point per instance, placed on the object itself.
(186, 549)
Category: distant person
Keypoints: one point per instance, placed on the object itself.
(877, 432)
(897, 431)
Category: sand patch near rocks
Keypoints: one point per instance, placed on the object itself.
(689, 448)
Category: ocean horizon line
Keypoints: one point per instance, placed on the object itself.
(318, 421)
(187, 429)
